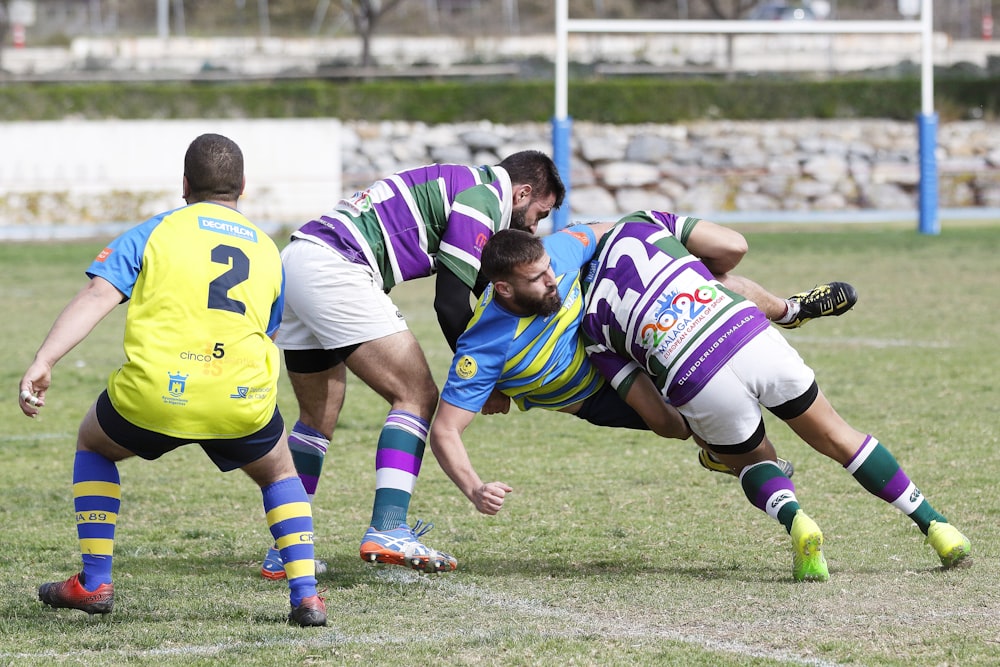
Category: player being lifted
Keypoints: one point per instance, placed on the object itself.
(718, 369)
(524, 341)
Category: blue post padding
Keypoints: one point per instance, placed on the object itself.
(927, 131)
(562, 129)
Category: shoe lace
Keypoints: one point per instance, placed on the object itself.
(420, 528)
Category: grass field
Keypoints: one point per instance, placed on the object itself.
(615, 549)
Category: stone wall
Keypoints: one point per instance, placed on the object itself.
(710, 167)
(70, 177)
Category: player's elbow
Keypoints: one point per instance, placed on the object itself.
(728, 255)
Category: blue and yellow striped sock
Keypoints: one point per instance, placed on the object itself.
(97, 498)
(289, 517)
(769, 490)
(876, 469)
(397, 464)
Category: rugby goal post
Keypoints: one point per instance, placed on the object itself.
(926, 120)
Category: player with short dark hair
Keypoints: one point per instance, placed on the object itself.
(431, 220)
(523, 343)
(204, 287)
(524, 339)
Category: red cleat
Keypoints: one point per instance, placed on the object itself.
(311, 612)
(71, 594)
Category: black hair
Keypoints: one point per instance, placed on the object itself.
(507, 250)
(213, 166)
(536, 169)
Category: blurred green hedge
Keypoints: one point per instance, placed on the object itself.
(617, 101)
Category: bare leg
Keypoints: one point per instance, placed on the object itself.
(395, 367)
(826, 431)
(877, 471)
(320, 397)
(772, 306)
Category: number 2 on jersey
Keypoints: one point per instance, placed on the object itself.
(218, 289)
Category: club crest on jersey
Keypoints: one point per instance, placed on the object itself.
(177, 384)
(466, 367)
(360, 202)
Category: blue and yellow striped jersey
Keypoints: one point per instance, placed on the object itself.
(538, 362)
(205, 289)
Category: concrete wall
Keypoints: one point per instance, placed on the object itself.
(271, 56)
(72, 173)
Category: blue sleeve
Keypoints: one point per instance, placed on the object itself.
(570, 248)
(277, 307)
(121, 261)
(478, 363)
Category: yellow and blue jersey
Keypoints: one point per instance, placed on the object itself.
(537, 361)
(205, 289)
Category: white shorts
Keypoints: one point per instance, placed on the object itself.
(766, 371)
(330, 302)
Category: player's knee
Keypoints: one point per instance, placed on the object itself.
(429, 400)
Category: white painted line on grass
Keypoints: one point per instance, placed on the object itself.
(612, 627)
(575, 626)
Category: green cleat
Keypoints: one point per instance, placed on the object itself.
(808, 563)
(822, 301)
(709, 462)
(951, 546)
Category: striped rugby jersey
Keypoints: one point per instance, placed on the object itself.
(654, 307)
(205, 289)
(408, 224)
(537, 361)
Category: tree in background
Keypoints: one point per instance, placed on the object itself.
(4, 26)
(3, 30)
(365, 15)
(730, 10)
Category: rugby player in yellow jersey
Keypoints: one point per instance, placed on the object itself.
(205, 290)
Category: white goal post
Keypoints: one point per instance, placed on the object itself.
(926, 120)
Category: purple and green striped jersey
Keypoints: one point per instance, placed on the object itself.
(408, 224)
(654, 307)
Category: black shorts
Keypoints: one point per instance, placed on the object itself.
(316, 361)
(607, 408)
(227, 453)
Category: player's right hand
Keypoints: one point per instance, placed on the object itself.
(32, 389)
(30, 402)
(489, 497)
